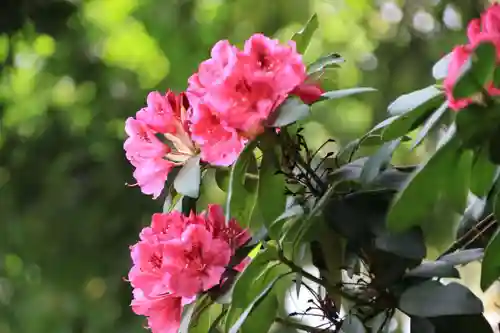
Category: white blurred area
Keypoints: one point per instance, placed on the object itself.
(400, 323)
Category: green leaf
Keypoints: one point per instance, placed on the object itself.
(271, 194)
(290, 111)
(335, 94)
(494, 147)
(214, 326)
(262, 317)
(431, 269)
(476, 124)
(440, 68)
(241, 199)
(409, 121)
(187, 314)
(460, 324)
(463, 257)
(430, 123)
(496, 77)
(433, 299)
(480, 72)
(409, 102)
(244, 282)
(458, 182)
(256, 301)
(490, 267)
(187, 181)
(414, 202)
(378, 161)
(303, 37)
(328, 61)
(482, 174)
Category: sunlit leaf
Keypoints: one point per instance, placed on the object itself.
(411, 101)
(335, 94)
(430, 123)
(303, 37)
(330, 60)
(440, 69)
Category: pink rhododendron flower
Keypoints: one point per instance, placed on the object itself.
(459, 57)
(164, 116)
(235, 92)
(163, 312)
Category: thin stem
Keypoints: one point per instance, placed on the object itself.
(299, 326)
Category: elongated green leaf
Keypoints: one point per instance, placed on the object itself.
(440, 69)
(480, 72)
(214, 326)
(277, 225)
(328, 61)
(433, 299)
(262, 317)
(411, 101)
(463, 257)
(335, 94)
(187, 181)
(244, 283)
(240, 199)
(271, 194)
(433, 269)
(458, 182)
(303, 37)
(490, 267)
(494, 147)
(292, 110)
(414, 202)
(378, 161)
(409, 121)
(483, 173)
(430, 123)
(257, 300)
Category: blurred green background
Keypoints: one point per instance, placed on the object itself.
(72, 71)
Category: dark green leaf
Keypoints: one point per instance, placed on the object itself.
(460, 324)
(352, 324)
(391, 179)
(421, 325)
(277, 225)
(378, 161)
(463, 257)
(290, 111)
(414, 202)
(494, 147)
(222, 178)
(496, 77)
(433, 299)
(458, 183)
(490, 267)
(262, 317)
(331, 60)
(187, 181)
(483, 173)
(480, 72)
(271, 194)
(240, 201)
(407, 244)
(476, 124)
(256, 301)
(430, 123)
(440, 269)
(440, 69)
(409, 102)
(335, 94)
(303, 37)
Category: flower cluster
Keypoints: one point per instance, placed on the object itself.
(231, 99)
(158, 139)
(485, 29)
(178, 257)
